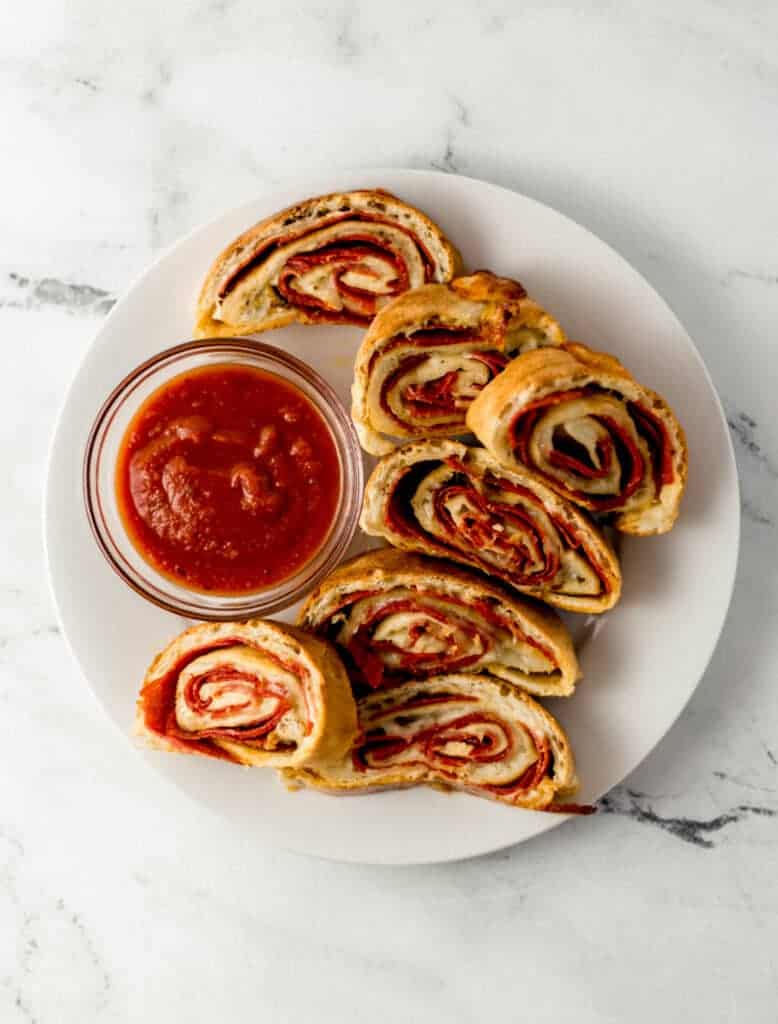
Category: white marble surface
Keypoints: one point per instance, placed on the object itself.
(124, 126)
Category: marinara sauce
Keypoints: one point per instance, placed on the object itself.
(228, 479)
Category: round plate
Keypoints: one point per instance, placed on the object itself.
(640, 669)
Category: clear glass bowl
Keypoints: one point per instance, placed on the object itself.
(102, 507)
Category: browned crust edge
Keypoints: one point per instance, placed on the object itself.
(250, 240)
(333, 733)
(384, 567)
(537, 373)
(327, 778)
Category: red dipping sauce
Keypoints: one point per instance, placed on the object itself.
(228, 479)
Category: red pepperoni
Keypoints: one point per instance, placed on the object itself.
(158, 700)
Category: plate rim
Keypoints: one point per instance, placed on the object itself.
(550, 821)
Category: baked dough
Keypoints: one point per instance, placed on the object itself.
(463, 731)
(432, 350)
(446, 499)
(332, 259)
(255, 692)
(582, 421)
(395, 615)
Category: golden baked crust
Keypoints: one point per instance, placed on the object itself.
(437, 742)
(412, 344)
(396, 574)
(419, 528)
(263, 308)
(574, 367)
(325, 691)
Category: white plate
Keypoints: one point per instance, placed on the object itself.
(642, 666)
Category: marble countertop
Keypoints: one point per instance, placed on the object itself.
(124, 128)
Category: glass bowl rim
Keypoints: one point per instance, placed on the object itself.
(346, 518)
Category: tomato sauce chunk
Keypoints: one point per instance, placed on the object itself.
(228, 479)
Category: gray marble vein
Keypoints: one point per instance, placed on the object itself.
(159, 77)
(760, 277)
(23, 292)
(745, 430)
(744, 784)
(755, 515)
(450, 160)
(635, 805)
(347, 47)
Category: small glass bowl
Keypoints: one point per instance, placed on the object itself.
(102, 450)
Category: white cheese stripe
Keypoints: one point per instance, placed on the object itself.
(507, 544)
(463, 633)
(511, 750)
(251, 692)
(255, 291)
(397, 373)
(583, 421)
(432, 734)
